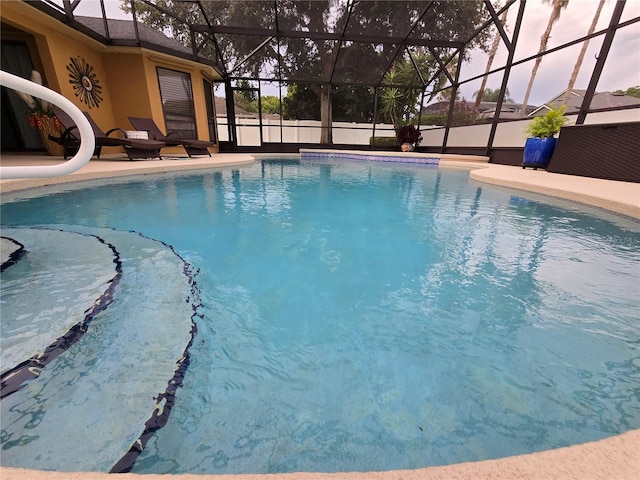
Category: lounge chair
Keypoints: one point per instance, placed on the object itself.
(135, 148)
(172, 139)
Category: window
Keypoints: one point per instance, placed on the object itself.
(211, 120)
(177, 102)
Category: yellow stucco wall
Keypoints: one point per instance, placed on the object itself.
(127, 76)
(61, 55)
(55, 48)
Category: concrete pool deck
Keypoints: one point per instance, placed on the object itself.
(616, 458)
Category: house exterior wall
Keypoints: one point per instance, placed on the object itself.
(60, 55)
(152, 60)
(127, 75)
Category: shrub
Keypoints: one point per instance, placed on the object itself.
(409, 134)
(383, 141)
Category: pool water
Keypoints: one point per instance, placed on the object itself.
(350, 315)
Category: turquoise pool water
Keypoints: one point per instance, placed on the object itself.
(350, 316)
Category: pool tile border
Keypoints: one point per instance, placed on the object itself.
(409, 157)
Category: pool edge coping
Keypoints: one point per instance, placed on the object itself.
(616, 457)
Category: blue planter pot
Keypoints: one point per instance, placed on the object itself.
(538, 152)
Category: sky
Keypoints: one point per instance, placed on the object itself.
(621, 71)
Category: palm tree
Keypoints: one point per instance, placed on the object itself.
(556, 11)
(491, 95)
(492, 55)
(585, 45)
(400, 103)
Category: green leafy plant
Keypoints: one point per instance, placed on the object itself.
(409, 134)
(549, 124)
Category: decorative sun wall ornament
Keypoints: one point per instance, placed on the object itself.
(85, 82)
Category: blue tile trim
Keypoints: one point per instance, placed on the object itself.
(372, 158)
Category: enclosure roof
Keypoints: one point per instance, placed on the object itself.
(337, 42)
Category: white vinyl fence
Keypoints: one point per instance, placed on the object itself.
(508, 134)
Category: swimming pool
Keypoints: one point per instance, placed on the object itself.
(477, 323)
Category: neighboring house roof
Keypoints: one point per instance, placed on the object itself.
(437, 107)
(599, 100)
(220, 104)
(486, 109)
(508, 110)
(612, 99)
(575, 94)
(221, 110)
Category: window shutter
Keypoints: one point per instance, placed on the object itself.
(177, 102)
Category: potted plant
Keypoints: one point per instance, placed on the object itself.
(409, 137)
(42, 118)
(542, 130)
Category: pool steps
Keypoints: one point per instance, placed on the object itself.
(130, 276)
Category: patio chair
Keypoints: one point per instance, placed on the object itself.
(134, 148)
(172, 139)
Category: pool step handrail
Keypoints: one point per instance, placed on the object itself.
(87, 140)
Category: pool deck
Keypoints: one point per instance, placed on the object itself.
(615, 458)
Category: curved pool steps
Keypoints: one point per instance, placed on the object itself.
(43, 317)
(117, 382)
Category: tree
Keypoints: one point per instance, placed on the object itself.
(556, 10)
(270, 104)
(245, 98)
(399, 100)
(306, 58)
(249, 94)
(583, 50)
(300, 103)
(492, 56)
(490, 95)
(445, 95)
(352, 104)
(349, 104)
(399, 104)
(242, 102)
(631, 91)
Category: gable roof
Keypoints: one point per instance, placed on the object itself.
(508, 110)
(599, 101)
